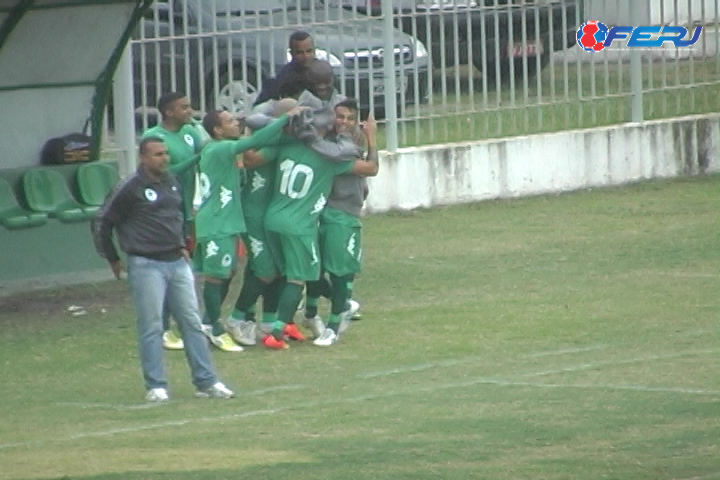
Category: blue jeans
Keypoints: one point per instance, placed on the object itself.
(151, 283)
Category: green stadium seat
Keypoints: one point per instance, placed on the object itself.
(47, 191)
(12, 215)
(95, 180)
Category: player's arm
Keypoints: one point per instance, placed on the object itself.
(257, 158)
(344, 150)
(180, 168)
(113, 212)
(268, 135)
(371, 166)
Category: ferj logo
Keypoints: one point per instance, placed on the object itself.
(594, 36)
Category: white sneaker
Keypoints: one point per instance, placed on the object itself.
(218, 390)
(345, 320)
(224, 342)
(171, 341)
(315, 325)
(243, 332)
(157, 395)
(327, 338)
(353, 307)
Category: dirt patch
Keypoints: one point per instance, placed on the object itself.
(90, 298)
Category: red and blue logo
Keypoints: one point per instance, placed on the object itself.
(594, 36)
(591, 36)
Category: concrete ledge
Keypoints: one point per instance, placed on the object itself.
(547, 163)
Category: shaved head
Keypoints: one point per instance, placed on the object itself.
(284, 105)
(321, 79)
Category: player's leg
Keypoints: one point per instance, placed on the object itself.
(341, 258)
(260, 272)
(302, 263)
(216, 260)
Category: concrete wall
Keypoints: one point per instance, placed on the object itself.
(468, 172)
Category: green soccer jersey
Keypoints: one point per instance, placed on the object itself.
(221, 211)
(182, 147)
(303, 179)
(257, 192)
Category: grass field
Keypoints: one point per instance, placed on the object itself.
(557, 337)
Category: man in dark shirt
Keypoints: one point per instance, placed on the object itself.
(144, 212)
(302, 50)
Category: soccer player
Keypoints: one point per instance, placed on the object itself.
(303, 179)
(144, 212)
(183, 143)
(261, 275)
(219, 222)
(340, 240)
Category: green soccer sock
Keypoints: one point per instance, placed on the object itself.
(334, 322)
(339, 298)
(271, 296)
(287, 306)
(212, 296)
(250, 313)
(249, 293)
(311, 306)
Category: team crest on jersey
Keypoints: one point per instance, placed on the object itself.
(151, 194)
(211, 249)
(226, 196)
(226, 260)
(319, 205)
(189, 140)
(258, 182)
(204, 186)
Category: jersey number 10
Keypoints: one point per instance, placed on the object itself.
(291, 173)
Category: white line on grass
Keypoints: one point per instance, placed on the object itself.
(383, 395)
(592, 366)
(564, 351)
(460, 361)
(142, 406)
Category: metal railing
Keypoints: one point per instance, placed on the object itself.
(459, 70)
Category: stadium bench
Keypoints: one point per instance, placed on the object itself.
(47, 191)
(12, 215)
(94, 182)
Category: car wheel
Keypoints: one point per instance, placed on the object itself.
(235, 95)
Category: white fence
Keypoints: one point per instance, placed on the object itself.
(461, 69)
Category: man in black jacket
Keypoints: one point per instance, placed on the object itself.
(144, 212)
(302, 50)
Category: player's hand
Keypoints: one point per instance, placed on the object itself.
(117, 268)
(185, 253)
(369, 126)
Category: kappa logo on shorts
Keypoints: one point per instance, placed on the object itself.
(151, 194)
(226, 196)
(258, 182)
(226, 260)
(351, 245)
(211, 249)
(256, 247)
